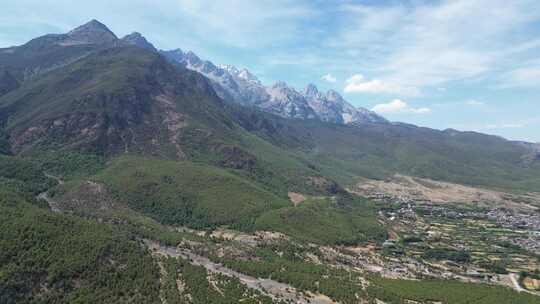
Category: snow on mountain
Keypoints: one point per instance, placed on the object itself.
(222, 81)
(242, 86)
(326, 109)
(250, 89)
(242, 74)
(287, 102)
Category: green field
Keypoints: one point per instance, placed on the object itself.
(447, 292)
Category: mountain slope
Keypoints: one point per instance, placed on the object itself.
(183, 193)
(120, 99)
(49, 52)
(53, 258)
(380, 150)
(7, 82)
(130, 99)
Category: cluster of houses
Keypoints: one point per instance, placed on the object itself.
(509, 219)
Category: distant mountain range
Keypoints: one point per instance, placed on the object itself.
(88, 89)
(242, 86)
(230, 83)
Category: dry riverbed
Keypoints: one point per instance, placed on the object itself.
(274, 289)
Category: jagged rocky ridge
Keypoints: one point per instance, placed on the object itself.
(229, 82)
(281, 99)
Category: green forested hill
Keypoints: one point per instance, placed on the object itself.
(52, 258)
(345, 152)
(183, 193)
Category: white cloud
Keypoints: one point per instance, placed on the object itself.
(399, 106)
(474, 102)
(244, 23)
(522, 77)
(187, 24)
(329, 77)
(395, 105)
(504, 126)
(432, 44)
(357, 83)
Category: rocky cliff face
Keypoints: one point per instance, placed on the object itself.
(112, 101)
(287, 102)
(331, 107)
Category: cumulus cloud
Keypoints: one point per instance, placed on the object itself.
(399, 106)
(329, 77)
(357, 83)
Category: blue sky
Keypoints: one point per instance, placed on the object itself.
(463, 64)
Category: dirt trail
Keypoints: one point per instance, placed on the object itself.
(45, 196)
(272, 288)
(514, 278)
(58, 179)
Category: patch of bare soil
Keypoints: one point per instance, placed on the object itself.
(361, 249)
(408, 189)
(296, 198)
(248, 239)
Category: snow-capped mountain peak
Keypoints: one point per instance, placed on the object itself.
(246, 75)
(334, 96)
(242, 74)
(311, 91)
(242, 86)
(229, 68)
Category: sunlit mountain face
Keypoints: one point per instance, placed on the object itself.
(269, 152)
